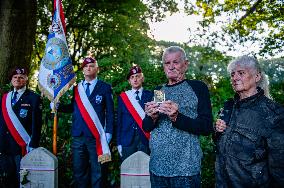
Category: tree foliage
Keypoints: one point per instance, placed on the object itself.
(259, 22)
(105, 29)
(274, 69)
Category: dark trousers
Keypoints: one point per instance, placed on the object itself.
(86, 168)
(12, 178)
(135, 146)
(175, 182)
(17, 159)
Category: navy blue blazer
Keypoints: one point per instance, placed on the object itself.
(28, 109)
(126, 124)
(102, 102)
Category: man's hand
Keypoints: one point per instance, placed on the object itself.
(54, 107)
(30, 149)
(169, 108)
(108, 137)
(152, 110)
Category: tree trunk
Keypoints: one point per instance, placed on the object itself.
(17, 34)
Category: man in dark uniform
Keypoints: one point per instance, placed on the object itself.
(92, 126)
(130, 136)
(20, 122)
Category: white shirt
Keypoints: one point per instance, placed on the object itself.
(92, 84)
(139, 94)
(20, 92)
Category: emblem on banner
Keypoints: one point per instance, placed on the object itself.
(55, 28)
(56, 54)
(53, 81)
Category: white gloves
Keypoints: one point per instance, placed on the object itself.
(30, 149)
(108, 137)
(119, 148)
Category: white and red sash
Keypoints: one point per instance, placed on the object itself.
(135, 109)
(91, 118)
(14, 125)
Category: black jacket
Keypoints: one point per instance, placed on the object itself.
(250, 153)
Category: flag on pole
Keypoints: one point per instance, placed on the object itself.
(56, 72)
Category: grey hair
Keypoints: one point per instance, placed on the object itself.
(174, 49)
(251, 63)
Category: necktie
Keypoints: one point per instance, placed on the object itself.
(138, 98)
(88, 89)
(14, 99)
(137, 95)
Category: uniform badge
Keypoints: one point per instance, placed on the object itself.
(99, 99)
(23, 113)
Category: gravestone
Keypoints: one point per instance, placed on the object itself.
(39, 169)
(134, 171)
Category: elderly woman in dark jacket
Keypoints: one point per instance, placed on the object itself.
(250, 131)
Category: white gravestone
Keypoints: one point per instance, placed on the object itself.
(134, 172)
(39, 169)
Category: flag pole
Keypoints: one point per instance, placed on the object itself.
(54, 143)
(59, 79)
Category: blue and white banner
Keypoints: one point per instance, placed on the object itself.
(56, 73)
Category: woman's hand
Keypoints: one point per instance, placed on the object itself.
(220, 125)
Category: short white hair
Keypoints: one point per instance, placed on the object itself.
(174, 49)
